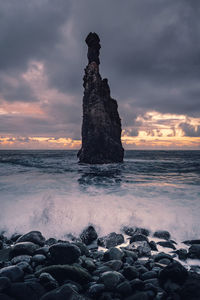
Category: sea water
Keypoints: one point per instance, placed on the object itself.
(50, 191)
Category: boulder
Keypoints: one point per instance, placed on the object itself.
(22, 248)
(14, 273)
(33, 236)
(26, 291)
(88, 235)
(113, 254)
(174, 272)
(194, 251)
(63, 272)
(111, 279)
(162, 234)
(5, 283)
(64, 253)
(111, 240)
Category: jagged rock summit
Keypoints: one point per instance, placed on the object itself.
(101, 128)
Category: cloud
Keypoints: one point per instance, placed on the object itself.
(150, 54)
(190, 130)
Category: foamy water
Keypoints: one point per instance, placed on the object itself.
(50, 192)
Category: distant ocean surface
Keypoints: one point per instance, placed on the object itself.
(49, 191)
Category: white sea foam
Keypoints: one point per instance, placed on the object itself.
(56, 214)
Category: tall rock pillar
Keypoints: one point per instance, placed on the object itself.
(101, 128)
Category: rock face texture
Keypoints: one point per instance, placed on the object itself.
(101, 128)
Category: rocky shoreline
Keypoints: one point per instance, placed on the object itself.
(131, 265)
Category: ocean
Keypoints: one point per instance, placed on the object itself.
(48, 190)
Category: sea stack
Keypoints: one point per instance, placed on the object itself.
(101, 128)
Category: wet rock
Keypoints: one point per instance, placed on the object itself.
(182, 254)
(111, 240)
(113, 254)
(24, 266)
(88, 235)
(190, 290)
(15, 237)
(124, 288)
(111, 279)
(64, 253)
(162, 234)
(4, 254)
(194, 251)
(1, 244)
(14, 273)
(101, 128)
(33, 236)
(43, 251)
(20, 258)
(27, 248)
(174, 272)
(83, 248)
(38, 259)
(5, 283)
(153, 246)
(115, 265)
(51, 241)
(130, 272)
(64, 272)
(137, 284)
(149, 275)
(131, 254)
(139, 296)
(48, 281)
(26, 291)
(89, 264)
(192, 242)
(96, 290)
(162, 255)
(138, 237)
(167, 244)
(144, 249)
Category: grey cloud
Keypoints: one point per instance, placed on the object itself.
(189, 130)
(150, 54)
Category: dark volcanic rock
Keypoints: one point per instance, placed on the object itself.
(64, 272)
(14, 273)
(167, 244)
(88, 235)
(101, 128)
(138, 237)
(64, 253)
(194, 251)
(93, 42)
(174, 272)
(22, 248)
(26, 291)
(111, 240)
(33, 236)
(162, 234)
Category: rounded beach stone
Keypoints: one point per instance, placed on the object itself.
(96, 290)
(113, 254)
(130, 272)
(88, 235)
(174, 272)
(4, 283)
(33, 236)
(64, 253)
(111, 279)
(138, 237)
(27, 248)
(162, 234)
(194, 251)
(14, 273)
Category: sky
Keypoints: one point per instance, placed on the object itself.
(150, 53)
